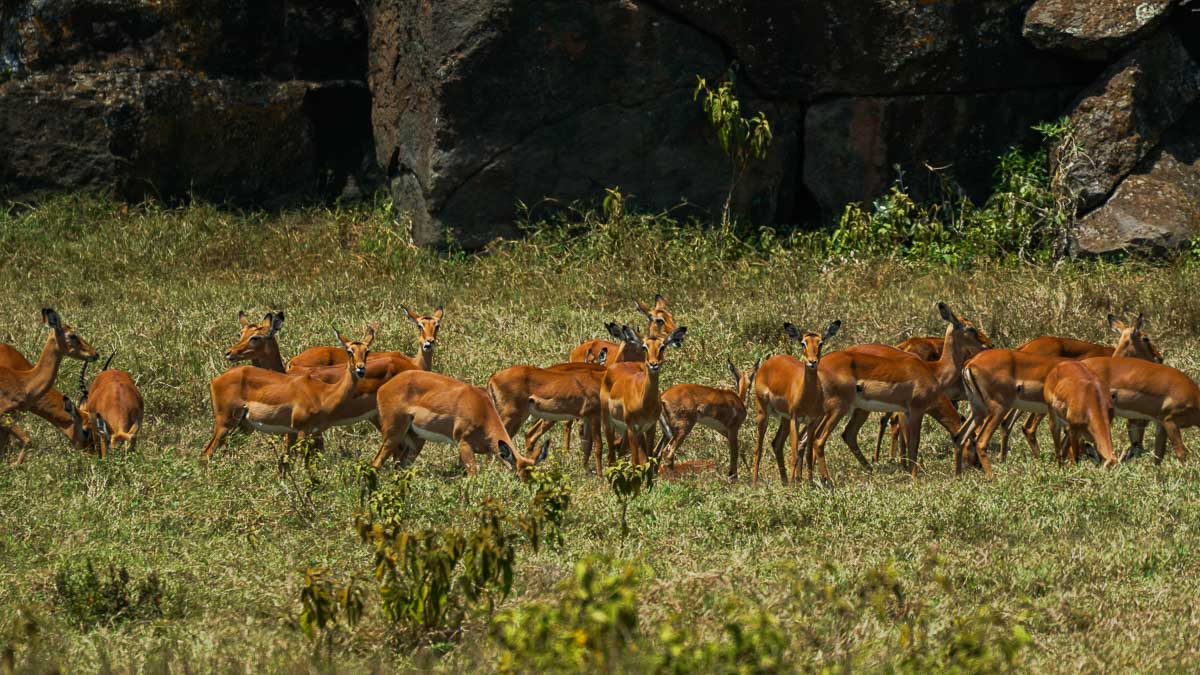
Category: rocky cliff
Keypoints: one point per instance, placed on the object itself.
(462, 108)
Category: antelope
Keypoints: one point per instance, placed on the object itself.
(257, 342)
(254, 398)
(50, 407)
(929, 349)
(661, 324)
(722, 410)
(999, 380)
(864, 381)
(441, 409)
(111, 411)
(1144, 390)
(1131, 341)
(28, 387)
(567, 391)
(1078, 399)
(629, 398)
(316, 357)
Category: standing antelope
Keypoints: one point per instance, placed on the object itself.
(254, 398)
(442, 409)
(1078, 399)
(27, 388)
(51, 406)
(789, 388)
(629, 397)
(316, 357)
(111, 411)
(722, 410)
(661, 324)
(1143, 390)
(864, 382)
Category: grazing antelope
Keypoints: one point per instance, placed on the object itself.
(1132, 341)
(790, 389)
(722, 410)
(441, 409)
(864, 381)
(316, 357)
(111, 410)
(629, 396)
(1000, 380)
(28, 388)
(564, 392)
(1143, 390)
(51, 406)
(660, 325)
(1078, 399)
(257, 342)
(254, 398)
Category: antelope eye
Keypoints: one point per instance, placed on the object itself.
(256, 338)
(659, 321)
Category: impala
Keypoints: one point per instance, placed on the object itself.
(257, 342)
(722, 410)
(254, 398)
(660, 325)
(1078, 399)
(316, 357)
(1132, 341)
(1151, 391)
(28, 387)
(629, 396)
(565, 392)
(789, 388)
(442, 409)
(111, 410)
(51, 406)
(868, 382)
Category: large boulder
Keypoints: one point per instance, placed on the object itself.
(1093, 29)
(1123, 116)
(856, 147)
(481, 104)
(1157, 207)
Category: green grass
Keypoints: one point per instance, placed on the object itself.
(1100, 568)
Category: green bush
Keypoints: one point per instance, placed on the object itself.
(92, 599)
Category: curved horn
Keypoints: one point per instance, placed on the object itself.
(110, 358)
(83, 392)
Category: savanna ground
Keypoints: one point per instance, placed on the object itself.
(1040, 569)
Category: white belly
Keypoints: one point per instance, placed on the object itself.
(430, 436)
(877, 406)
(269, 428)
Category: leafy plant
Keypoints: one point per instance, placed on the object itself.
(742, 138)
(92, 599)
(548, 506)
(490, 555)
(326, 604)
(627, 480)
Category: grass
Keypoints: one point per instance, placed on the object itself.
(1099, 568)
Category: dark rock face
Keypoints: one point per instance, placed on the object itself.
(227, 101)
(1093, 29)
(1157, 207)
(853, 145)
(1121, 117)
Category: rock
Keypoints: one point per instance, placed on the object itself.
(481, 104)
(166, 134)
(805, 50)
(853, 144)
(1157, 207)
(1093, 29)
(1123, 116)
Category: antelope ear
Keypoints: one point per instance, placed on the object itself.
(438, 313)
(602, 357)
(614, 330)
(791, 331)
(660, 303)
(68, 406)
(677, 336)
(276, 323)
(948, 314)
(50, 318)
(642, 308)
(242, 319)
(1137, 325)
(1116, 324)
(629, 335)
(506, 454)
(543, 454)
(832, 330)
(737, 377)
(370, 335)
(412, 316)
(341, 338)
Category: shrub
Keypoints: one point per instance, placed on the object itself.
(93, 599)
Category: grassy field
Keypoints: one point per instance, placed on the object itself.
(1055, 570)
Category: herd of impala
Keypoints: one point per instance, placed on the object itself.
(611, 388)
